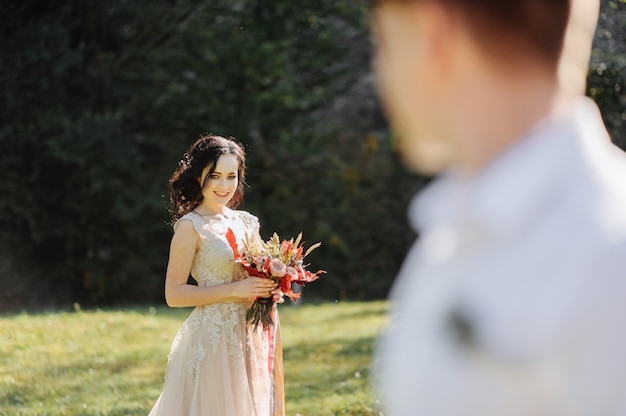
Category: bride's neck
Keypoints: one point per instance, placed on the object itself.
(209, 212)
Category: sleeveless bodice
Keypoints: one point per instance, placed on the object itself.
(214, 262)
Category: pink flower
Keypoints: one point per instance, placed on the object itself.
(291, 271)
(301, 273)
(278, 268)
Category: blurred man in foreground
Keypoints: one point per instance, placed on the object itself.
(513, 300)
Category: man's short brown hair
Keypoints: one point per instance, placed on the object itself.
(506, 28)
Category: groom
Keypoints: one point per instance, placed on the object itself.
(513, 300)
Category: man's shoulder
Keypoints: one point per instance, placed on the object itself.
(599, 207)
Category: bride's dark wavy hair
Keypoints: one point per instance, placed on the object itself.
(184, 184)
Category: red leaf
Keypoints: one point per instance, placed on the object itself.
(285, 284)
(252, 271)
(230, 236)
(293, 296)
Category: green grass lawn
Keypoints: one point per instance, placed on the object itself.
(112, 362)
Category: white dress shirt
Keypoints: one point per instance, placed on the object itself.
(513, 300)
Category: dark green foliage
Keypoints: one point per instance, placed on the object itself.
(607, 74)
(100, 99)
(80, 195)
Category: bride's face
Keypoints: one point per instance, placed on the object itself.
(220, 187)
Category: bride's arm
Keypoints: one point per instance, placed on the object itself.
(180, 294)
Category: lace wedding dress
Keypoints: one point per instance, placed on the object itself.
(218, 366)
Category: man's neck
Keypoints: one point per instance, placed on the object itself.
(497, 111)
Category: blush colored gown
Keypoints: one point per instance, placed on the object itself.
(218, 366)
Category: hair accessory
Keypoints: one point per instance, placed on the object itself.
(185, 163)
(203, 146)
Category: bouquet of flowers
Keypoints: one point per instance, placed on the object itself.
(279, 260)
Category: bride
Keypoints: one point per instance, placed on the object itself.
(217, 365)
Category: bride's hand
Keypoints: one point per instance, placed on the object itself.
(253, 287)
(278, 295)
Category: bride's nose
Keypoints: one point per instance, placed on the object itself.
(223, 183)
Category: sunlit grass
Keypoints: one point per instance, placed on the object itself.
(112, 362)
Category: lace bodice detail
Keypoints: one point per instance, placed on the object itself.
(214, 262)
